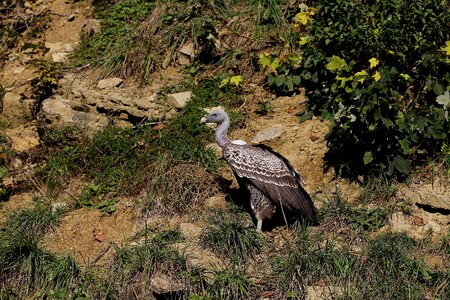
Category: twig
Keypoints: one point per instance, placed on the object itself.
(135, 294)
(38, 188)
(102, 254)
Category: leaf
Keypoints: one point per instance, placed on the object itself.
(446, 48)
(344, 80)
(444, 99)
(368, 157)
(223, 82)
(335, 63)
(405, 76)
(376, 76)
(302, 18)
(99, 235)
(158, 126)
(306, 116)
(405, 146)
(303, 41)
(361, 76)
(236, 80)
(264, 60)
(373, 62)
(275, 64)
(401, 164)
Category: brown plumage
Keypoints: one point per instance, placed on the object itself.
(268, 176)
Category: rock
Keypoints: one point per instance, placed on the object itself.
(216, 202)
(10, 101)
(268, 134)
(427, 196)
(109, 83)
(188, 49)
(215, 149)
(190, 231)
(18, 70)
(69, 47)
(71, 18)
(59, 51)
(91, 26)
(183, 60)
(16, 164)
(59, 57)
(57, 111)
(179, 100)
(146, 104)
(23, 138)
(323, 292)
(123, 124)
(186, 54)
(400, 223)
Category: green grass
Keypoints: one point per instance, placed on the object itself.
(171, 164)
(230, 236)
(24, 267)
(230, 283)
(134, 266)
(388, 266)
(338, 211)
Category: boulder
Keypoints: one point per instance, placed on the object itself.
(58, 111)
(179, 100)
(268, 134)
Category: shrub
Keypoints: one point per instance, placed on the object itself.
(377, 72)
(377, 69)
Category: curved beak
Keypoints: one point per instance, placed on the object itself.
(203, 120)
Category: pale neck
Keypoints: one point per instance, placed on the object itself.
(221, 132)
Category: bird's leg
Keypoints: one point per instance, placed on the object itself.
(259, 225)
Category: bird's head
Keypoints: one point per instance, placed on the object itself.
(216, 115)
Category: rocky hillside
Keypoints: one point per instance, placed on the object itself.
(112, 189)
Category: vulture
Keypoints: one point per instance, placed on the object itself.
(269, 177)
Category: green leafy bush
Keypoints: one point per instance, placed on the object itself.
(376, 68)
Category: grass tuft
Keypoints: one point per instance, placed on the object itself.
(25, 267)
(231, 237)
(230, 283)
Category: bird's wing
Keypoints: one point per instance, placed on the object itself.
(272, 174)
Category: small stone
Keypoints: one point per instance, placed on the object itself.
(23, 138)
(188, 49)
(190, 230)
(59, 57)
(69, 47)
(268, 134)
(145, 104)
(400, 223)
(215, 149)
(16, 164)
(183, 60)
(179, 100)
(91, 27)
(71, 18)
(109, 83)
(216, 202)
(18, 70)
(123, 124)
